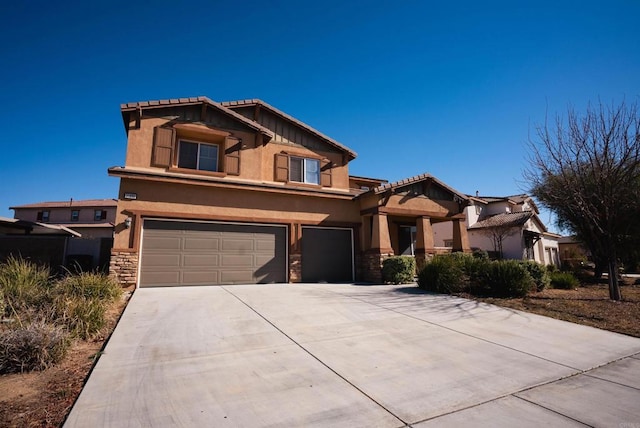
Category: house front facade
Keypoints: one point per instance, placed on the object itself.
(241, 192)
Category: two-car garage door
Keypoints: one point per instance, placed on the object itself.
(177, 253)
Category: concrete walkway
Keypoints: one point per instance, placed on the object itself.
(346, 356)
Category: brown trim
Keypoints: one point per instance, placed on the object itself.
(208, 181)
(198, 171)
(124, 250)
(409, 212)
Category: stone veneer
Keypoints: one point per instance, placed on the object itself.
(295, 267)
(123, 268)
(372, 266)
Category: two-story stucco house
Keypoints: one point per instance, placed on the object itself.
(92, 219)
(509, 222)
(241, 192)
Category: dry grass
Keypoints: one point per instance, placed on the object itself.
(43, 399)
(588, 305)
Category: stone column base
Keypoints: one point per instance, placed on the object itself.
(123, 267)
(295, 267)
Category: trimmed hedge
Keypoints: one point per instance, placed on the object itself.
(398, 270)
(508, 278)
(442, 274)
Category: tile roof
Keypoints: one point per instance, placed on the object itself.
(517, 219)
(417, 179)
(252, 102)
(36, 228)
(82, 203)
(127, 107)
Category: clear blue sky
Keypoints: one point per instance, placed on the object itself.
(449, 88)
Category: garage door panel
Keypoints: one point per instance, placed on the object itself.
(195, 260)
(164, 260)
(200, 277)
(192, 243)
(165, 243)
(192, 253)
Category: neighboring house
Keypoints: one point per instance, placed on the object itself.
(93, 219)
(39, 242)
(572, 251)
(508, 226)
(241, 192)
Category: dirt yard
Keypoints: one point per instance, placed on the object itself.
(43, 399)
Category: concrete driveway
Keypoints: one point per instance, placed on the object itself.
(287, 355)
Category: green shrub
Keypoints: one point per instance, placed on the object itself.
(507, 278)
(564, 280)
(539, 273)
(442, 274)
(34, 347)
(398, 269)
(481, 254)
(24, 285)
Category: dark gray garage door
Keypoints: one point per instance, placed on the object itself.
(191, 253)
(327, 255)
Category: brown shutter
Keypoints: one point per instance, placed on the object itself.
(325, 174)
(232, 155)
(103, 215)
(282, 167)
(39, 216)
(163, 140)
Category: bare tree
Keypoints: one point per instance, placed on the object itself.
(498, 234)
(587, 171)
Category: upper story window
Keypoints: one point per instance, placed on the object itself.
(75, 215)
(304, 170)
(43, 216)
(200, 156)
(99, 215)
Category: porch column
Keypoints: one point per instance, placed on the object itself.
(460, 238)
(380, 237)
(424, 241)
(366, 233)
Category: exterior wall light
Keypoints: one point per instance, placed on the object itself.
(127, 222)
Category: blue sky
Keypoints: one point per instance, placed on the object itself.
(454, 89)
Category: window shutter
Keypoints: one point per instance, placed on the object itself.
(325, 174)
(232, 147)
(103, 215)
(282, 167)
(39, 217)
(163, 140)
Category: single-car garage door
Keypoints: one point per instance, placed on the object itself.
(327, 255)
(177, 253)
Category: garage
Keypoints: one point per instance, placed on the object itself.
(176, 253)
(327, 254)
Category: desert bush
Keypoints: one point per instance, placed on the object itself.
(35, 346)
(398, 269)
(442, 274)
(90, 285)
(480, 254)
(564, 280)
(24, 285)
(507, 278)
(539, 273)
(81, 301)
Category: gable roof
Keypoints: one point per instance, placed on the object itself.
(517, 219)
(35, 228)
(127, 108)
(512, 199)
(258, 102)
(416, 179)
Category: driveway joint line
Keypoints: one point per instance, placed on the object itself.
(406, 424)
(554, 411)
(592, 376)
(463, 333)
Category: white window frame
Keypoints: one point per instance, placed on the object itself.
(75, 217)
(200, 143)
(303, 169)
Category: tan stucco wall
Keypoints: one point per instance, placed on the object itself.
(256, 160)
(174, 200)
(411, 204)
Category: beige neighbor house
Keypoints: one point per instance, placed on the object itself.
(241, 192)
(92, 219)
(511, 224)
